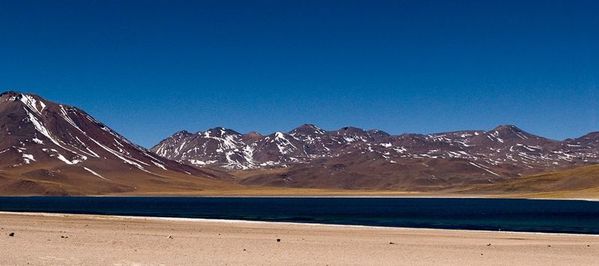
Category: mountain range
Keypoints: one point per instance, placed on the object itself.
(58, 149)
(353, 158)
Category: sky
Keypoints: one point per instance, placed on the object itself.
(151, 68)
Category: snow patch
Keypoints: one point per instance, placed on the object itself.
(95, 173)
(28, 158)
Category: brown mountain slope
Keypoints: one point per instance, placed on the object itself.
(51, 148)
(370, 172)
(576, 182)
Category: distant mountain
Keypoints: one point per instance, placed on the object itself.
(50, 148)
(350, 157)
(56, 149)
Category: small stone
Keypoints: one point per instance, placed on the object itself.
(244, 249)
(548, 246)
(391, 243)
(278, 240)
(11, 234)
(488, 245)
(170, 237)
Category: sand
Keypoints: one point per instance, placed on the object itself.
(108, 240)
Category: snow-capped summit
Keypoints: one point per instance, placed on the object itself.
(37, 134)
(510, 132)
(307, 130)
(219, 132)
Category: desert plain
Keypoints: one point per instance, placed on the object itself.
(66, 239)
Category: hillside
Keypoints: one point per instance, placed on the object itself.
(580, 182)
(56, 149)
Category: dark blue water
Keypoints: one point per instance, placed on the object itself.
(563, 216)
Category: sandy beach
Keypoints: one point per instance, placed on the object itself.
(41, 239)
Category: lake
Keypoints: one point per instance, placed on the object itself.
(558, 216)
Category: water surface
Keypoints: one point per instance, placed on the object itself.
(563, 216)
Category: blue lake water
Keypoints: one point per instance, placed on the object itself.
(563, 216)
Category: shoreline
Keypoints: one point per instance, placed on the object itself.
(309, 196)
(240, 221)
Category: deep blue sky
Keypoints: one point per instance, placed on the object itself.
(150, 68)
